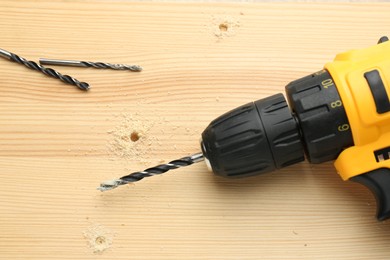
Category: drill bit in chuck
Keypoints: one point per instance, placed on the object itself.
(47, 71)
(159, 169)
(96, 65)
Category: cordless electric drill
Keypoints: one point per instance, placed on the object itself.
(339, 113)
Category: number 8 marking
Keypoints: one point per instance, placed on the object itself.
(336, 103)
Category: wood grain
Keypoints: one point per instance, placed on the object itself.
(56, 141)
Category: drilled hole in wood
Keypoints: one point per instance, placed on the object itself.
(100, 240)
(223, 27)
(134, 136)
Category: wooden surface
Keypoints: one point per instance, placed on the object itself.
(57, 143)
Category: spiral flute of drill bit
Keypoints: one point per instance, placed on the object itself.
(47, 71)
(159, 169)
(96, 65)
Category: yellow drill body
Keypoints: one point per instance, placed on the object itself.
(370, 129)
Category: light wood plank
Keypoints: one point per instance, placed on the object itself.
(56, 142)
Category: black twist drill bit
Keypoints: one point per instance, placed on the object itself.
(96, 65)
(159, 169)
(47, 71)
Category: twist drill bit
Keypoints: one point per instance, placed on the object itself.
(96, 65)
(47, 71)
(159, 169)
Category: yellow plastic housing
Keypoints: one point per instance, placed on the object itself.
(370, 130)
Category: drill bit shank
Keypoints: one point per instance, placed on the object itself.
(159, 169)
(47, 71)
(96, 65)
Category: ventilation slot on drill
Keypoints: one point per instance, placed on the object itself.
(382, 155)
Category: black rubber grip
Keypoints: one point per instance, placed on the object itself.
(378, 181)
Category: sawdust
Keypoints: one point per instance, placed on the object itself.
(131, 139)
(140, 139)
(99, 238)
(223, 26)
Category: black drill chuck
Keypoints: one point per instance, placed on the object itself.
(255, 138)
(265, 135)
